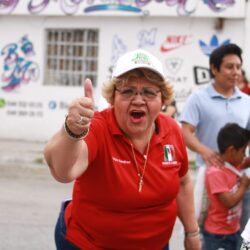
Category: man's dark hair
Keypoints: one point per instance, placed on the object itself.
(218, 54)
(232, 135)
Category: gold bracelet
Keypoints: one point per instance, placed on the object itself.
(192, 234)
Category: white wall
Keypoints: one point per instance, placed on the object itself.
(26, 113)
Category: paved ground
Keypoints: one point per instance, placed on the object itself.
(30, 199)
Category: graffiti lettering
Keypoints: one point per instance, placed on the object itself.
(70, 7)
(39, 7)
(118, 48)
(147, 38)
(182, 94)
(219, 5)
(8, 6)
(184, 7)
(16, 68)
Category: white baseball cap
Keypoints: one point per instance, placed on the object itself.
(137, 59)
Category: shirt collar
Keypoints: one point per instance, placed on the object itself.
(214, 94)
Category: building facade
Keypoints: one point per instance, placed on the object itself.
(48, 48)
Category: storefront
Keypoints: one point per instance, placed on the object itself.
(47, 49)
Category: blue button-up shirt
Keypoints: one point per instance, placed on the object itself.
(208, 111)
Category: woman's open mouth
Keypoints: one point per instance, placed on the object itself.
(137, 116)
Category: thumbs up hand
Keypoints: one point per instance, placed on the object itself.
(81, 110)
(88, 89)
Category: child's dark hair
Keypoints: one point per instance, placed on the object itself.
(218, 54)
(232, 135)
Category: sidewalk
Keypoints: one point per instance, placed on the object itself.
(30, 199)
(24, 153)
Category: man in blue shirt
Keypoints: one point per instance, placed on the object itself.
(210, 108)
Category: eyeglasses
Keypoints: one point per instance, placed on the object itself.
(147, 93)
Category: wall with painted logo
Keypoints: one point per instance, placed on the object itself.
(197, 8)
(32, 110)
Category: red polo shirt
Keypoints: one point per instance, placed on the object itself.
(107, 210)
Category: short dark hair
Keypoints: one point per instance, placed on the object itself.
(218, 54)
(232, 135)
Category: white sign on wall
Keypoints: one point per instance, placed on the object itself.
(197, 8)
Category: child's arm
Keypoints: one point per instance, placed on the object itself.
(228, 199)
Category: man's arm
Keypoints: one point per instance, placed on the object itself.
(209, 156)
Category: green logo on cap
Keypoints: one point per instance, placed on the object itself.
(141, 58)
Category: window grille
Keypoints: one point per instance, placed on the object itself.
(71, 56)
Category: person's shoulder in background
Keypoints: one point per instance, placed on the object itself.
(170, 110)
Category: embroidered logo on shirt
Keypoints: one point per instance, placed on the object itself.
(120, 161)
(169, 154)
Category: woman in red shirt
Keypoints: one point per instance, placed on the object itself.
(129, 164)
